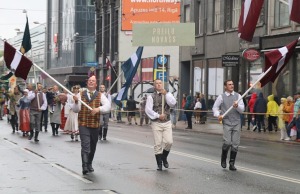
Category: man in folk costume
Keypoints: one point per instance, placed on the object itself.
(104, 118)
(161, 124)
(37, 105)
(55, 117)
(231, 122)
(89, 121)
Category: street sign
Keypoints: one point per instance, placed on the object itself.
(230, 60)
(159, 74)
(164, 34)
(162, 60)
(92, 64)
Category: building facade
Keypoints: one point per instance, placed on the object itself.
(70, 40)
(216, 24)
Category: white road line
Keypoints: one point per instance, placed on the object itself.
(242, 147)
(266, 174)
(51, 163)
(144, 132)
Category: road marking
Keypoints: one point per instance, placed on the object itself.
(266, 174)
(58, 166)
(143, 132)
(242, 147)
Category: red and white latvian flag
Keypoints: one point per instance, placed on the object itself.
(248, 19)
(294, 7)
(277, 59)
(16, 61)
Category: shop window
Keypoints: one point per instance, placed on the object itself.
(215, 77)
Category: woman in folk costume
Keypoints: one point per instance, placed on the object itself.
(55, 115)
(71, 126)
(24, 104)
(14, 97)
(64, 109)
(281, 119)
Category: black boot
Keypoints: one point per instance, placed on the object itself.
(100, 133)
(31, 135)
(90, 161)
(164, 158)
(104, 133)
(232, 161)
(159, 161)
(224, 157)
(85, 159)
(36, 136)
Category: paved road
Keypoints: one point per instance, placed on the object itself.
(126, 164)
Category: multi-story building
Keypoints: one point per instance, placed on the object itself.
(216, 24)
(36, 54)
(70, 41)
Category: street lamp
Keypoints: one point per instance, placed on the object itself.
(45, 46)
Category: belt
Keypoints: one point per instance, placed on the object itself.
(164, 121)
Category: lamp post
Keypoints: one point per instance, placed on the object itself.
(45, 46)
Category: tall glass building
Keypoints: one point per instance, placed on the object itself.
(70, 40)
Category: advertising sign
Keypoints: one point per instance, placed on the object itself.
(251, 54)
(167, 34)
(230, 60)
(149, 11)
(160, 74)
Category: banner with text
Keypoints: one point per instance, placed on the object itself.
(164, 34)
(149, 11)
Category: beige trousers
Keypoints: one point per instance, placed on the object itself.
(162, 133)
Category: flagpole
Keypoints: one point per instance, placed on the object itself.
(260, 77)
(114, 82)
(35, 81)
(60, 85)
(163, 79)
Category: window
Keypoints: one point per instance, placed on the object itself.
(281, 13)
(215, 77)
(236, 12)
(218, 16)
(187, 13)
(198, 19)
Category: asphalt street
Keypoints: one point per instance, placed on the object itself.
(125, 163)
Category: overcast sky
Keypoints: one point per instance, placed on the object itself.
(12, 16)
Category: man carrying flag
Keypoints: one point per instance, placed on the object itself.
(161, 124)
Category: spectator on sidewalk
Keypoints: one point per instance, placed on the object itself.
(260, 107)
(183, 101)
(281, 122)
(197, 109)
(143, 115)
(131, 108)
(288, 109)
(203, 112)
(296, 114)
(231, 122)
(272, 110)
(251, 109)
(188, 111)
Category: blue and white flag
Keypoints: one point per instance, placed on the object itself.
(129, 68)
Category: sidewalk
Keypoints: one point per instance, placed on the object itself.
(213, 127)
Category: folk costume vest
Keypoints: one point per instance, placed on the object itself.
(233, 117)
(84, 116)
(157, 107)
(34, 103)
